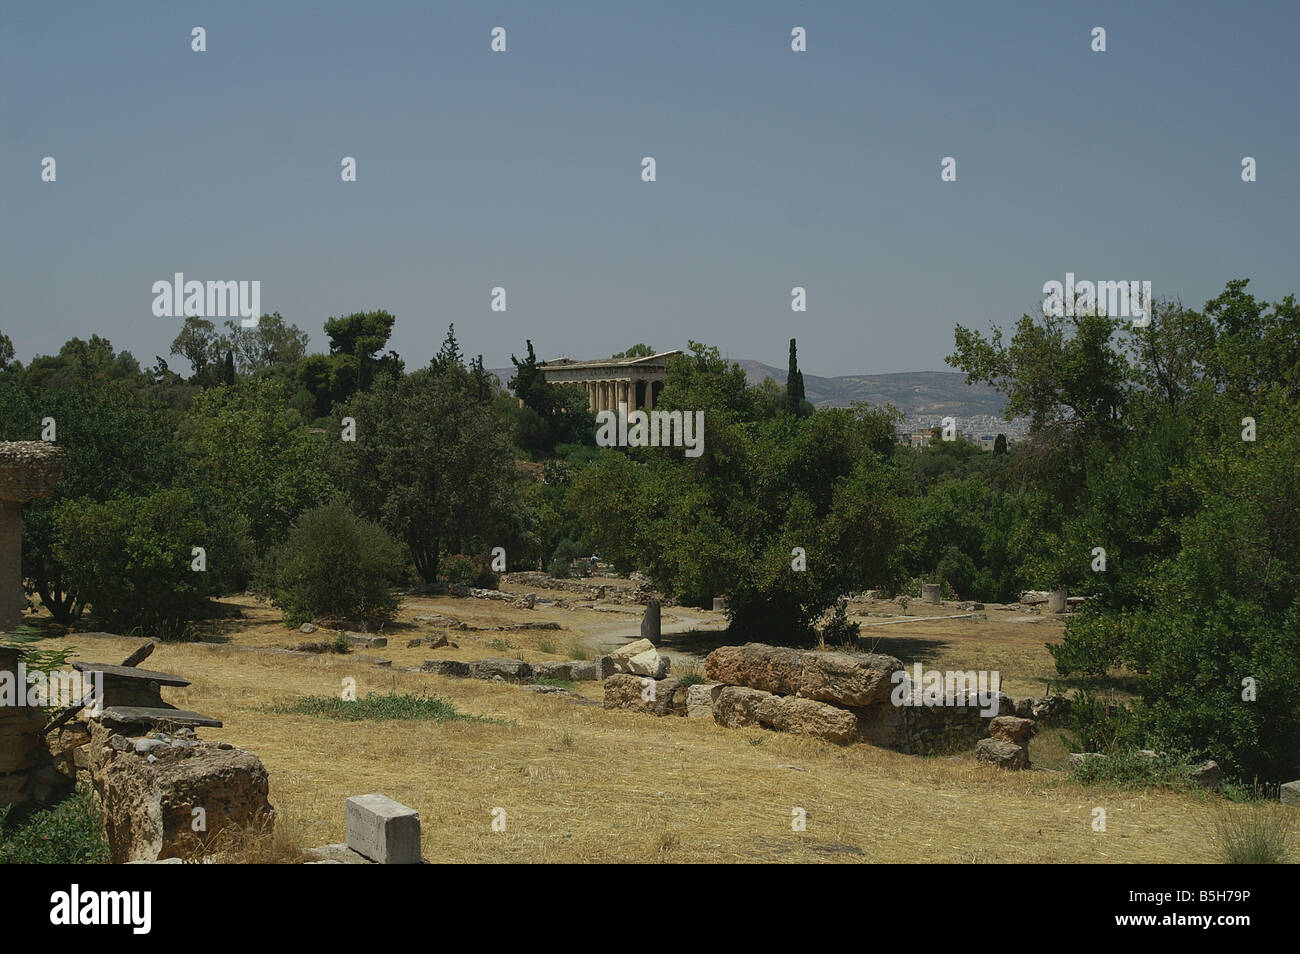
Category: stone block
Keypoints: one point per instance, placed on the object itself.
(1011, 729)
(446, 667)
(737, 706)
(1002, 753)
(383, 830)
(700, 698)
(509, 670)
(808, 717)
(583, 670)
(562, 671)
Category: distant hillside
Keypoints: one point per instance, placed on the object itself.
(918, 394)
(915, 393)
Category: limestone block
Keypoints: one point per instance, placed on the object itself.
(383, 830)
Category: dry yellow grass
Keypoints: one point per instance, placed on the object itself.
(581, 784)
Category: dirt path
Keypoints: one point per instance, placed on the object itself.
(604, 637)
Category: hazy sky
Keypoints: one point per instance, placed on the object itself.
(523, 169)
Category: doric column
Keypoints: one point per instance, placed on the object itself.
(650, 395)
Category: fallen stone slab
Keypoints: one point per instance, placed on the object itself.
(737, 706)
(775, 669)
(583, 670)
(700, 699)
(643, 694)
(807, 717)
(640, 658)
(383, 830)
(846, 679)
(446, 667)
(154, 717)
(509, 670)
(130, 673)
(1002, 753)
(338, 855)
(562, 671)
(369, 642)
(433, 642)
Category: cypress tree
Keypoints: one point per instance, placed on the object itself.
(794, 394)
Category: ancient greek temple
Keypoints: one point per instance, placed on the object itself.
(635, 382)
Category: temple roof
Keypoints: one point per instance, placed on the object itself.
(658, 358)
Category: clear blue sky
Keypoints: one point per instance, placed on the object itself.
(522, 169)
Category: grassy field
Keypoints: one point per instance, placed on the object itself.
(578, 783)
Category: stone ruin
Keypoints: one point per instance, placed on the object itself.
(839, 697)
(150, 772)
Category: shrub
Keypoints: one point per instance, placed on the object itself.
(336, 565)
(841, 630)
(1131, 769)
(69, 832)
(1254, 835)
(467, 571)
(1093, 645)
(1094, 725)
(561, 563)
(130, 559)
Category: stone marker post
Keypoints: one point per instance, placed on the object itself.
(650, 622)
(1057, 601)
(28, 471)
(931, 592)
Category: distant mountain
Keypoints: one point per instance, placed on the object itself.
(918, 394)
(915, 393)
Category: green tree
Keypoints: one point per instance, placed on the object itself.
(794, 383)
(115, 440)
(130, 559)
(432, 464)
(335, 565)
(248, 452)
(636, 351)
(199, 344)
(273, 344)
